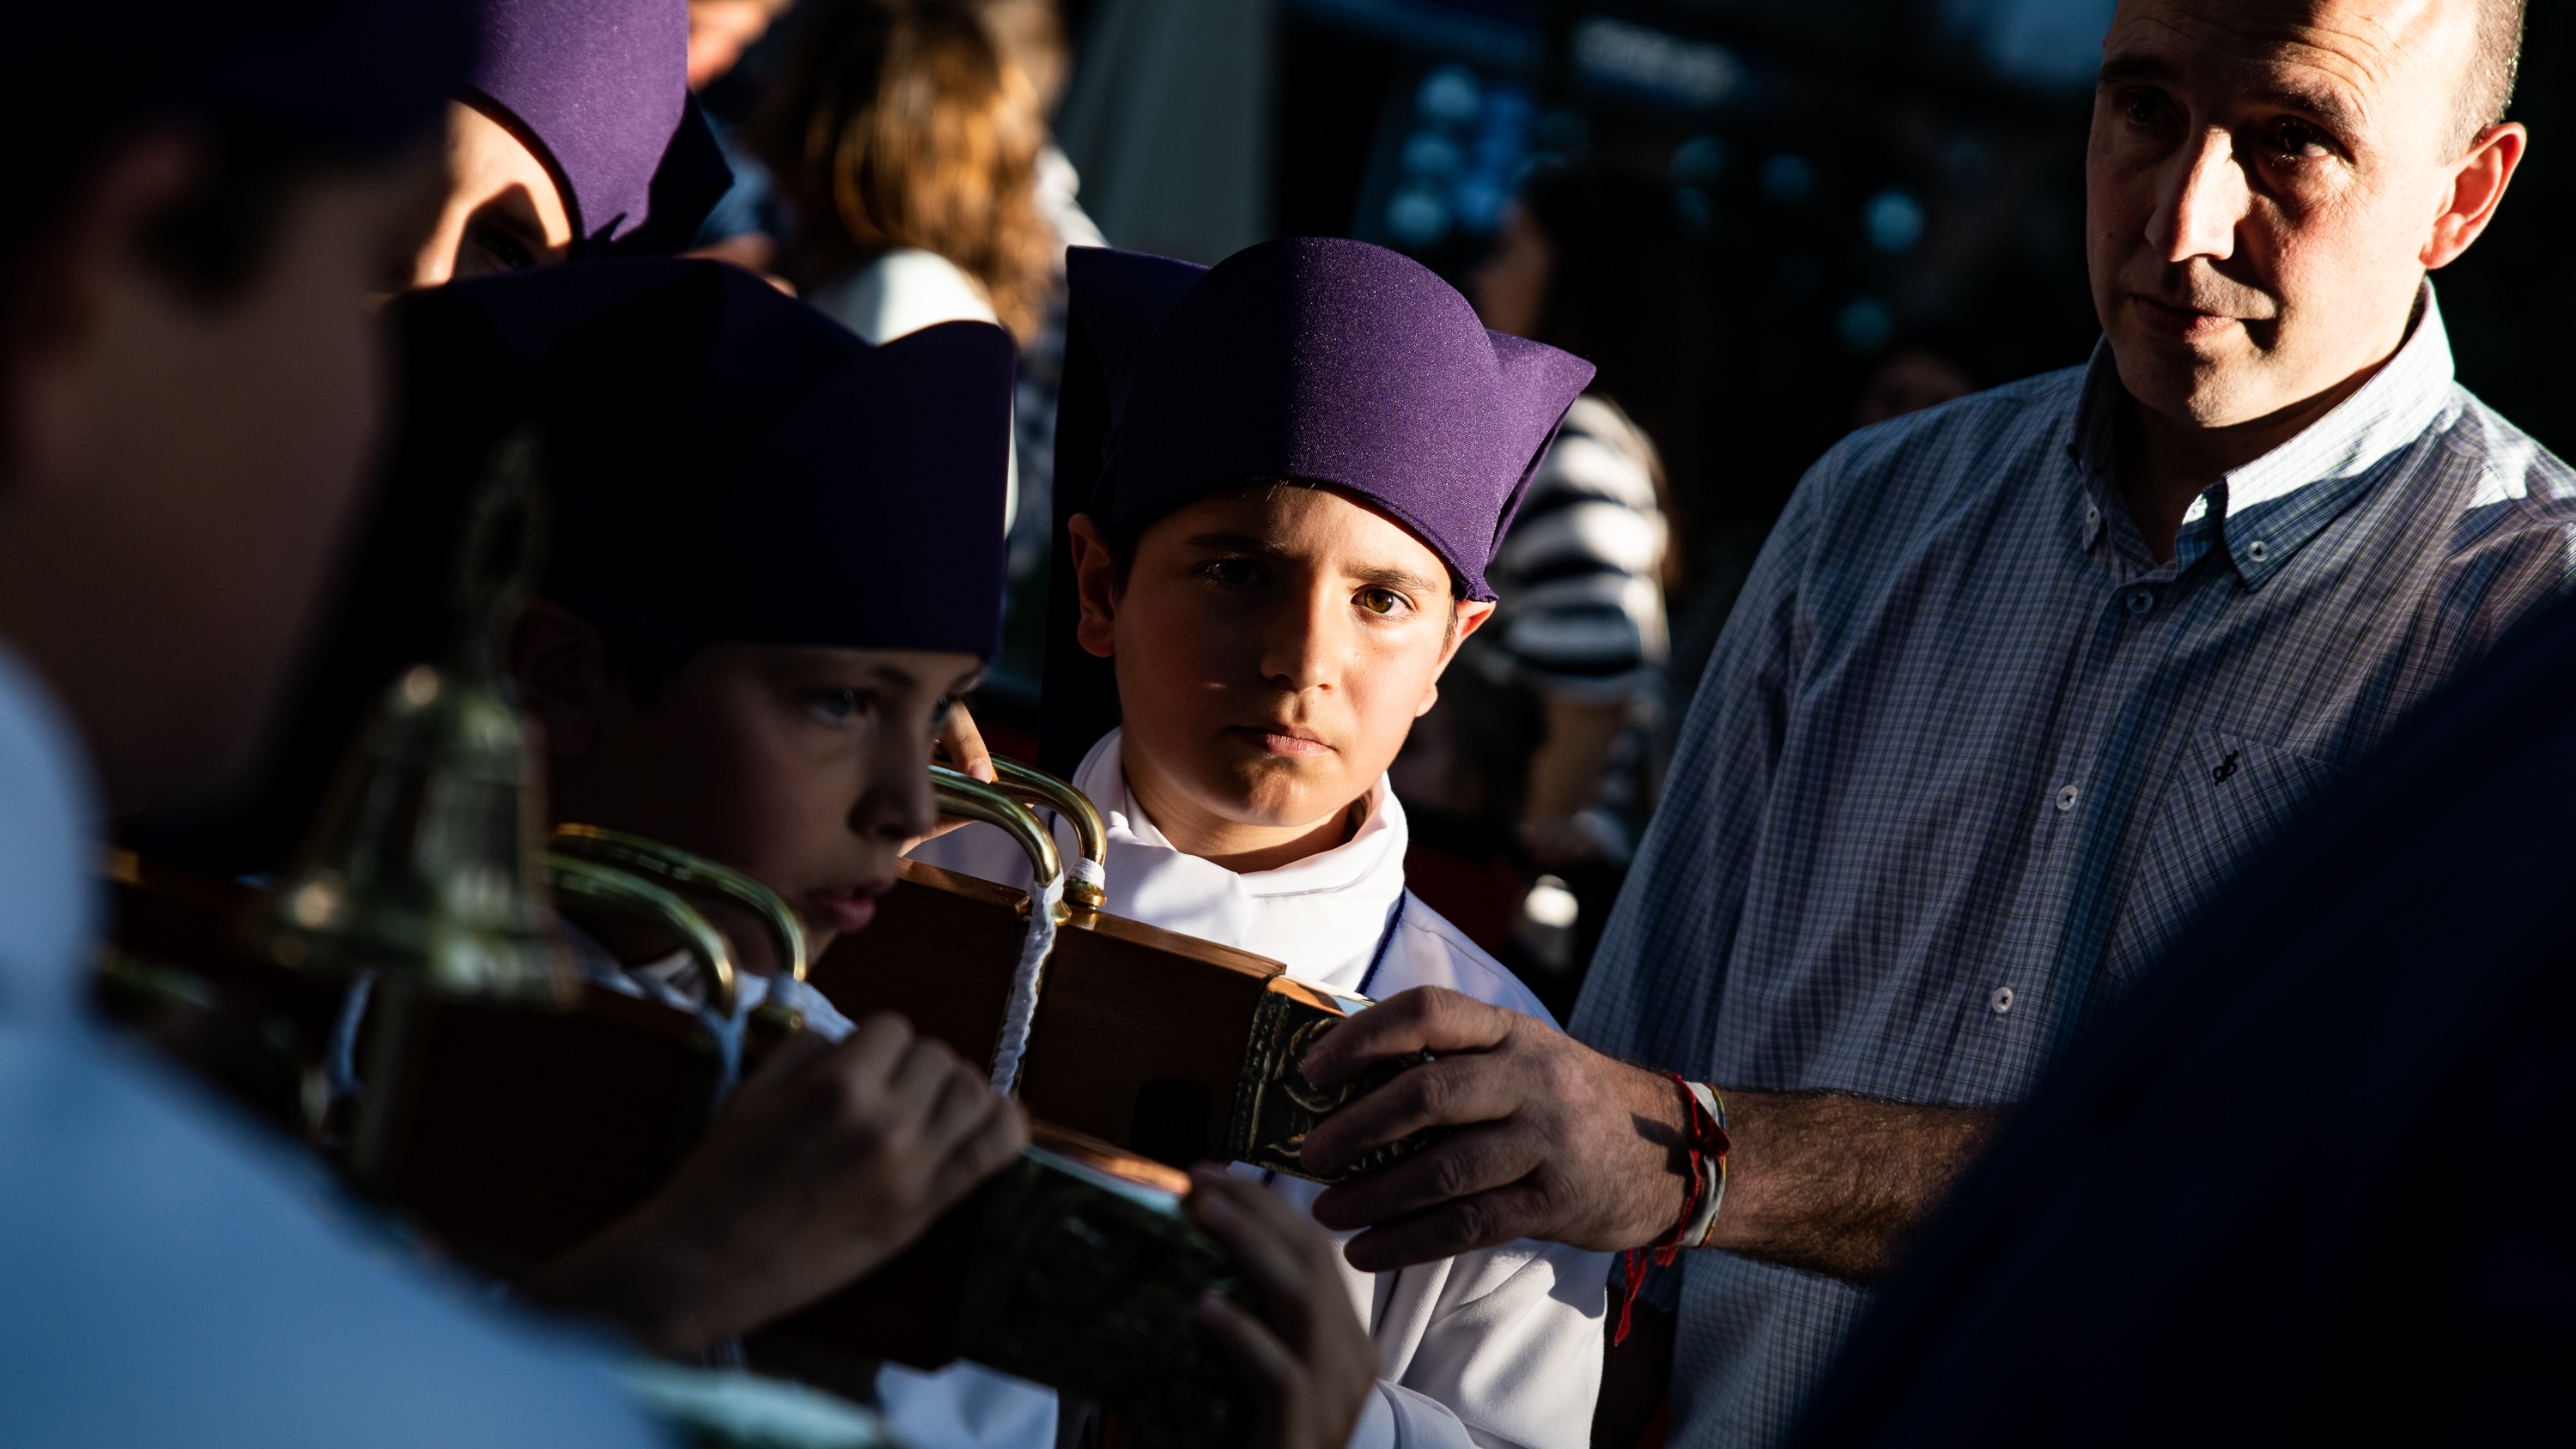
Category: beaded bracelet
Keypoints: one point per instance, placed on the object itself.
(1702, 1194)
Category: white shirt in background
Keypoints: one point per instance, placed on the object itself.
(901, 293)
(1498, 1347)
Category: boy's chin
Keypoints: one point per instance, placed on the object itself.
(1283, 794)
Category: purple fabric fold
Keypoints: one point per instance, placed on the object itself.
(596, 88)
(1321, 360)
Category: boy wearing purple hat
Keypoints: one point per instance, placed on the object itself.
(1291, 472)
(188, 383)
(574, 136)
(774, 558)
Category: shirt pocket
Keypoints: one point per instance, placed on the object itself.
(2229, 797)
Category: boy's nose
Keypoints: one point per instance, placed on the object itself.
(1299, 646)
(896, 803)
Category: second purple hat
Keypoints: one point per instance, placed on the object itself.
(596, 87)
(1325, 361)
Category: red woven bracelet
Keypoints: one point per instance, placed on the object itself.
(1705, 1186)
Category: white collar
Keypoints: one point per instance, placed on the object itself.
(1323, 916)
(49, 889)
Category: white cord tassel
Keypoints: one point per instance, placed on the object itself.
(1025, 981)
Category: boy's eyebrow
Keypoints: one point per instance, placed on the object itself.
(1392, 576)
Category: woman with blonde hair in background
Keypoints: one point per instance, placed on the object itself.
(909, 153)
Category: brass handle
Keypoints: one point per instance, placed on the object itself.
(963, 795)
(1037, 787)
(673, 866)
(618, 890)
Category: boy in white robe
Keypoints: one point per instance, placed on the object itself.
(1307, 455)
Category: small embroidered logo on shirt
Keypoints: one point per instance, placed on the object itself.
(2226, 770)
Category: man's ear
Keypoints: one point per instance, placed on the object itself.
(560, 664)
(75, 270)
(1095, 583)
(2478, 184)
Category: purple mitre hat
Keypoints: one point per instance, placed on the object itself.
(1322, 360)
(727, 462)
(596, 88)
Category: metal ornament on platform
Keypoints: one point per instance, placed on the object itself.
(425, 868)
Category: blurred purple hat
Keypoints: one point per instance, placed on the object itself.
(596, 88)
(727, 462)
(1322, 360)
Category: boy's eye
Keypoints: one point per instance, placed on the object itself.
(840, 706)
(1381, 601)
(507, 251)
(1232, 573)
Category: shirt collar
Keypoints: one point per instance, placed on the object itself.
(2270, 508)
(1103, 777)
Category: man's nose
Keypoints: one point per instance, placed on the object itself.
(2204, 198)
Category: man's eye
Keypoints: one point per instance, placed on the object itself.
(839, 706)
(2300, 141)
(2143, 108)
(1233, 573)
(1380, 601)
(510, 253)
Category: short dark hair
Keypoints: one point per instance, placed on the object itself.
(642, 654)
(2495, 65)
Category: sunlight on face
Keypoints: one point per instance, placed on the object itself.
(806, 767)
(2264, 186)
(503, 212)
(1274, 647)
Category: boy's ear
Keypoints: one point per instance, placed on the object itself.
(1466, 616)
(1095, 583)
(560, 664)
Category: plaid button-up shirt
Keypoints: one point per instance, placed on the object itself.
(1967, 757)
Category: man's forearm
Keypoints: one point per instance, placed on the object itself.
(1838, 1184)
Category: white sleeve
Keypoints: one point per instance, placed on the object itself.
(1509, 1345)
(1398, 1418)
(965, 1406)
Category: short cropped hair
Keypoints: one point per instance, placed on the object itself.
(2495, 64)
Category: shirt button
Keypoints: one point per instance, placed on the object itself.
(2066, 798)
(2092, 515)
(2001, 999)
(2258, 550)
(2142, 600)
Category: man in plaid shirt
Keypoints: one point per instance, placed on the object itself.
(2017, 687)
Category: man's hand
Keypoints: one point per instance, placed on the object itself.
(829, 1161)
(1561, 1142)
(1566, 1145)
(1312, 1359)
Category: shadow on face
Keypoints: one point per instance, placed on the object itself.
(172, 510)
(806, 767)
(2268, 181)
(1274, 646)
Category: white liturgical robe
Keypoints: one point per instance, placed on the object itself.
(1499, 1347)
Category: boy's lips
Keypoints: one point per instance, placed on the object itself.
(1291, 741)
(844, 911)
